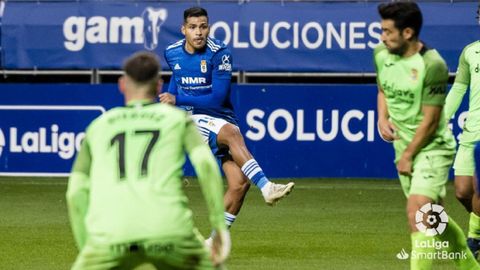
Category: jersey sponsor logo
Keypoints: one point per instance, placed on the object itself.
(438, 90)
(225, 65)
(477, 69)
(2, 142)
(391, 91)
(193, 80)
(203, 66)
(177, 67)
(80, 30)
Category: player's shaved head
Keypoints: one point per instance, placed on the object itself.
(403, 14)
(194, 12)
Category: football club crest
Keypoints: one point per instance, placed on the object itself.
(414, 74)
(203, 66)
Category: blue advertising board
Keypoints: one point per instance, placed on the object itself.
(292, 130)
(42, 126)
(326, 37)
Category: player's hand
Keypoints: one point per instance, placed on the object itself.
(167, 98)
(387, 130)
(221, 246)
(405, 165)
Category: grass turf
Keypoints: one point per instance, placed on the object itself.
(323, 224)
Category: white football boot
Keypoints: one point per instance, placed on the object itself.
(272, 192)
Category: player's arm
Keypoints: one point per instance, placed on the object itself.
(210, 180)
(221, 78)
(78, 192)
(385, 127)
(423, 134)
(434, 93)
(208, 174)
(172, 86)
(459, 88)
(172, 92)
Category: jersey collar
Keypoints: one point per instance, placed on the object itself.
(195, 52)
(139, 103)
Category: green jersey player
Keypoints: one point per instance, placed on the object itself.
(467, 74)
(125, 196)
(412, 80)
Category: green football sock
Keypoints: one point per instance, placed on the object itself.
(417, 261)
(474, 226)
(464, 259)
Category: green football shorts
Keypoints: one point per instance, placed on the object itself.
(175, 253)
(430, 174)
(464, 163)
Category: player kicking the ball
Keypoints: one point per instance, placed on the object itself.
(200, 83)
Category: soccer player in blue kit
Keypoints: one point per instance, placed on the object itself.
(200, 83)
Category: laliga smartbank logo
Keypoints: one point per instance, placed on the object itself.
(432, 220)
(80, 30)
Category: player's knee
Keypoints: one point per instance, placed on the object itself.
(231, 134)
(411, 212)
(463, 193)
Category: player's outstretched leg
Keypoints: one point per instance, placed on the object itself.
(237, 189)
(465, 187)
(230, 136)
(473, 240)
(464, 191)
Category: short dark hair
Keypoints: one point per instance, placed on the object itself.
(142, 67)
(194, 12)
(404, 15)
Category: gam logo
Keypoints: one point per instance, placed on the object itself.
(79, 30)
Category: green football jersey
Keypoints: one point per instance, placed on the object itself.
(468, 73)
(132, 160)
(408, 84)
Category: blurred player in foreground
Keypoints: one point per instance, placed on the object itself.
(412, 81)
(125, 197)
(467, 74)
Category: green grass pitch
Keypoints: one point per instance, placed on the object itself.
(323, 224)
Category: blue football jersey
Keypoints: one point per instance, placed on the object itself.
(201, 81)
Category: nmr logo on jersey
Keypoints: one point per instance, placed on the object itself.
(80, 30)
(42, 139)
(193, 80)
